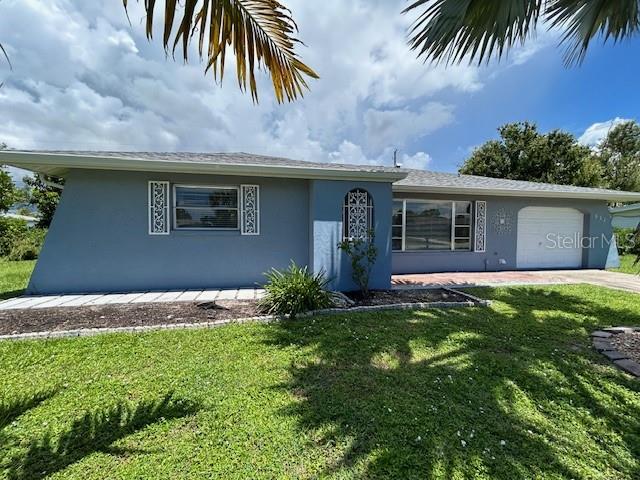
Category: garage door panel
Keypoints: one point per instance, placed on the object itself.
(549, 237)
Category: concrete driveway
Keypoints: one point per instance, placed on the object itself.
(619, 281)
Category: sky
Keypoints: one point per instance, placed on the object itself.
(84, 78)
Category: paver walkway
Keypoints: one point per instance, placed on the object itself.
(619, 281)
(78, 300)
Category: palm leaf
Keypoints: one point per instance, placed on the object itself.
(260, 32)
(585, 19)
(455, 30)
(452, 30)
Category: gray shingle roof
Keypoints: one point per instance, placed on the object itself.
(416, 180)
(427, 179)
(239, 158)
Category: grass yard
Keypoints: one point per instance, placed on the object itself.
(14, 277)
(627, 266)
(510, 391)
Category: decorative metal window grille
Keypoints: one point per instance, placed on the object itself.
(158, 208)
(357, 215)
(250, 211)
(480, 244)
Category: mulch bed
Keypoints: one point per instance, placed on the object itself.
(131, 315)
(150, 314)
(629, 344)
(387, 297)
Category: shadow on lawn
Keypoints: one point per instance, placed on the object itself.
(94, 432)
(11, 294)
(521, 373)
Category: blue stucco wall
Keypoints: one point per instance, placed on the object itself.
(504, 245)
(326, 199)
(99, 242)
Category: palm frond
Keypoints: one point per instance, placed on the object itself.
(261, 33)
(583, 20)
(4, 53)
(454, 30)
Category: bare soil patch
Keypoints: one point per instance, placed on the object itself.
(131, 315)
(389, 297)
(628, 343)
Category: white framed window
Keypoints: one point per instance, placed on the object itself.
(431, 225)
(199, 207)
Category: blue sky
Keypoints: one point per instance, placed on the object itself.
(84, 78)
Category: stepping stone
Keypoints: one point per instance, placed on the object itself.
(628, 366)
(208, 296)
(601, 334)
(614, 355)
(228, 294)
(602, 345)
(245, 294)
(618, 329)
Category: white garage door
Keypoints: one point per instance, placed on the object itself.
(549, 238)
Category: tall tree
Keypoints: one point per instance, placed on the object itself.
(523, 153)
(475, 30)
(619, 155)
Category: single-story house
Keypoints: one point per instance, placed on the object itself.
(627, 216)
(150, 221)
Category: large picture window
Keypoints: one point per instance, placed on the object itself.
(211, 208)
(431, 225)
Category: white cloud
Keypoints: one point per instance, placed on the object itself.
(392, 128)
(593, 135)
(419, 161)
(84, 78)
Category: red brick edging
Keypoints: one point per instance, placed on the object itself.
(602, 343)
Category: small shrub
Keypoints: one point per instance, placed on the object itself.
(28, 247)
(363, 254)
(628, 242)
(295, 291)
(18, 241)
(11, 230)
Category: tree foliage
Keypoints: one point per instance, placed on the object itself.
(619, 157)
(523, 153)
(8, 192)
(44, 196)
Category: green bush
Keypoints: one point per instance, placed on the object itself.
(28, 247)
(628, 243)
(363, 254)
(295, 291)
(18, 241)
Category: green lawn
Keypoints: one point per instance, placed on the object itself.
(627, 266)
(14, 277)
(510, 391)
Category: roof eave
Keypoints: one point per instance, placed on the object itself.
(497, 192)
(60, 165)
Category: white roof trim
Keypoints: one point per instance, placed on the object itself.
(61, 164)
(504, 192)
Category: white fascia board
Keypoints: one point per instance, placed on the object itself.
(60, 164)
(497, 192)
